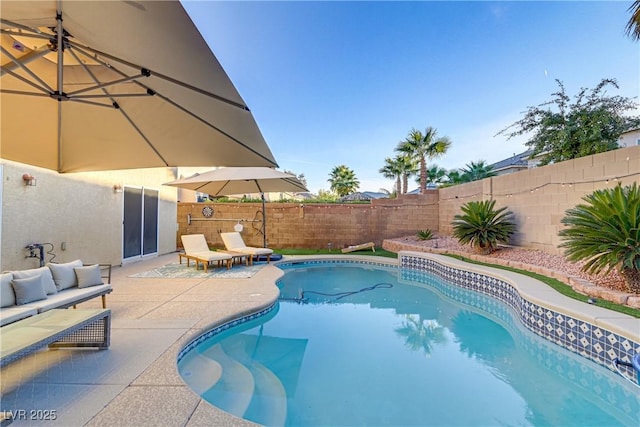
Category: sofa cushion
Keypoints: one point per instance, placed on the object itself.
(47, 282)
(15, 313)
(29, 289)
(71, 297)
(7, 296)
(88, 276)
(63, 274)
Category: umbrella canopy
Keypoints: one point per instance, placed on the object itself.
(241, 180)
(99, 85)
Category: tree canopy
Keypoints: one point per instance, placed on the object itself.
(563, 130)
(343, 180)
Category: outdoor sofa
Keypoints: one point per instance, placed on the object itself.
(26, 293)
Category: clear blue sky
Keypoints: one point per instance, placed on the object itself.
(333, 83)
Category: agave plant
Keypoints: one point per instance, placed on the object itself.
(605, 232)
(482, 226)
(425, 234)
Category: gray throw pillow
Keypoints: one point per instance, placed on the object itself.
(47, 279)
(63, 274)
(88, 276)
(7, 296)
(29, 289)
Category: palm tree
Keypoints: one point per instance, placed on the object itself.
(455, 177)
(421, 334)
(633, 26)
(605, 232)
(409, 168)
(343, 180)
(392, 170)
(422, 147)
(436, 174)
(477, 171)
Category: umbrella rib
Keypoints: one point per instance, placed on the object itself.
(183, 109)
(159, 75)
(212, 126)
(143, 136)
(104, 85)
(45, 87)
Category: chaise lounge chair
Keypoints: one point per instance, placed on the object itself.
(234, 243)
(197, 250)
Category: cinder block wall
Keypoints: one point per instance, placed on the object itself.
(540, 196)
(313, 225)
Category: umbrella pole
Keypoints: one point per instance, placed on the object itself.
(264, 221)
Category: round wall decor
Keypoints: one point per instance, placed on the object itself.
(207, 211)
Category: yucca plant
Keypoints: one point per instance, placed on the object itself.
(482, 226)
(425, 234)
(605, 232)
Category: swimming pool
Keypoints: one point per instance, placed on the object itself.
(366, 344)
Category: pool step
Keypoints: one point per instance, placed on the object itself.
(234, 390)
(269, 398)
(269, 403)
(200, 372)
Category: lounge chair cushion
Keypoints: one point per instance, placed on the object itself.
(210, 256)
(63, 275)
(88, 276)
(29, 289)
(47, 278)
(7, 296)
(233, 242)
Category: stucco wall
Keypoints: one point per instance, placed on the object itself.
(80, 209)
(314, 225)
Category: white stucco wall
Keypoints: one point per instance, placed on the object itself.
(80, 209)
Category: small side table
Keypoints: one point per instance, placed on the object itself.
(237, 257)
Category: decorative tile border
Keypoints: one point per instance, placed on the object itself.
(221, 328)
(590, 341)
(562, 362)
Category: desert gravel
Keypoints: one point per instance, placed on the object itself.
(533, 257)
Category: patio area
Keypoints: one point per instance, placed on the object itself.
(135, 382)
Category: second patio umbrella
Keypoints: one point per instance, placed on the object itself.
(242, 180)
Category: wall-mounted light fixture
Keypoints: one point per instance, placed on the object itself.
(117, 188)
(29, 180)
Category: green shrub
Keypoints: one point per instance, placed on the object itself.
(425, 234)
(482, 226)
(605, 232)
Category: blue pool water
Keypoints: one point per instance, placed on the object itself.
(353, 344)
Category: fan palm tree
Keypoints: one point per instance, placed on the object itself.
(392, 170)
(477, 171)
(455, 177)
(633, 26)
(436, 174)
(343, 180)
(605, 232)
(422, 147)
(482, 226)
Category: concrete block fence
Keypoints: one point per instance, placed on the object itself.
(538, 198)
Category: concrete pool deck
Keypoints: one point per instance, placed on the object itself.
(135, 382)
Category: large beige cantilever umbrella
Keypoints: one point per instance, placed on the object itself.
(242, 180)
(99, 85)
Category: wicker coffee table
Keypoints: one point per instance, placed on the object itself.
(55, 328)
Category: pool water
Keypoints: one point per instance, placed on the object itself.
(354, 344)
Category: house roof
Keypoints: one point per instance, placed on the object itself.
(515, 160)
(365, 195)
